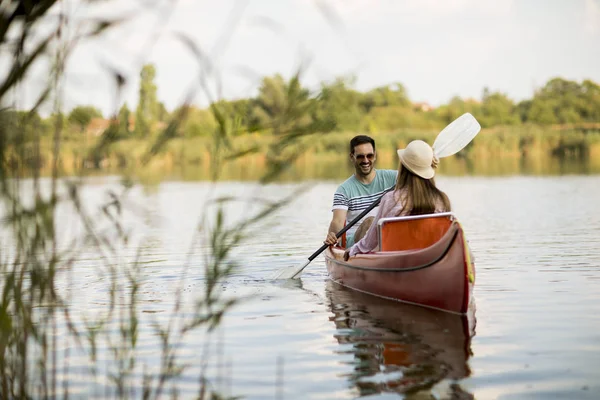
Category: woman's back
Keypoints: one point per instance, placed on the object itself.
(393, 204)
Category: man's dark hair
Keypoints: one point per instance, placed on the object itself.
(361, 139)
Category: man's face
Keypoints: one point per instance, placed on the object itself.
(363, 158)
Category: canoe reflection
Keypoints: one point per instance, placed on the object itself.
(399, 347)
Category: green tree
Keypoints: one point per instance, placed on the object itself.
(542, 111)
(147, 110)
(124, 116)
(340, 104)
(283, 106)
(590, 111)
(162, 114)
(23, 126)
(389, 118)
(498, 109)
(393, 95)
(56, 119)
(83, 115)
(198, 122)
(239, 113)
(457, 107)
(522, 110)
(559, 101)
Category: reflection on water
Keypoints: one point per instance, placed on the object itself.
(399, 347)
(337, 167)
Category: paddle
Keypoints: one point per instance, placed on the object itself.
(294, 272)
(452, 139)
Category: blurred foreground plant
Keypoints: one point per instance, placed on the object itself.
(39, 329)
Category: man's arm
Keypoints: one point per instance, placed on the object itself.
(336, 225)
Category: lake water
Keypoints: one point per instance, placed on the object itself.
(536, 335)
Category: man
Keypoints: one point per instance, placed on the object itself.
(359, 191)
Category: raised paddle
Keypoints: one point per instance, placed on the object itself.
(452, 139)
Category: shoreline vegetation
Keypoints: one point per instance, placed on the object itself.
(503, 150)
(559, 126)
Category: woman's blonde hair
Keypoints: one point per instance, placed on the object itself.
(421, 194)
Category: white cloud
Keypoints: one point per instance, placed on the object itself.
(432, 7)
(439, 6)
(592, 16)
(446, 8)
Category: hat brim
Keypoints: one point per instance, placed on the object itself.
(423, 172)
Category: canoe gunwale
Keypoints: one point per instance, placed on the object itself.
(407, 269)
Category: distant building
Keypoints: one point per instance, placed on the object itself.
(97, 126)
(422, 107)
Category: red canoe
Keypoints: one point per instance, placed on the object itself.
(422, 260)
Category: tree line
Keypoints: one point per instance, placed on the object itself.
(284, 105)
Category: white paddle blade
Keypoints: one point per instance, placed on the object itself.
(456, 136)
(290, 272)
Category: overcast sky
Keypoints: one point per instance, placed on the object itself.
(436, 48)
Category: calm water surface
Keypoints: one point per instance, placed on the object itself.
(536, 333)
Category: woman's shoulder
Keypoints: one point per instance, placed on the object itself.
(389, 196)
(387, 174)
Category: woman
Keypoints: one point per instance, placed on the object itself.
(415, 193)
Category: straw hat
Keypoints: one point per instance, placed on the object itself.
(418, 157)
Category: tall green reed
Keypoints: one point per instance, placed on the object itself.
(39, 328)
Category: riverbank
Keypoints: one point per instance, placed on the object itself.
(526, 149)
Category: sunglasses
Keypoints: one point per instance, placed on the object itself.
(369, 156)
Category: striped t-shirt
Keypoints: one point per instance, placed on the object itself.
(355, 196)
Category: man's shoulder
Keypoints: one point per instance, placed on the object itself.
(387, 173)
(348, 184)
(386, 177)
